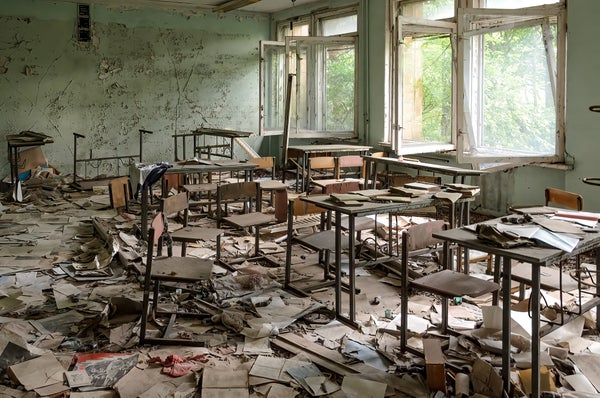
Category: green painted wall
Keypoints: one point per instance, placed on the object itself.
(160, 70)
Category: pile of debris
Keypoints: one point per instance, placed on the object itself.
(71, 304)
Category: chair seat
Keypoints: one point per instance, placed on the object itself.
(194, 234)
(322, 240)
(361, 223)
(271, 185)
(250, 219)
(454, 284)
(180, 269)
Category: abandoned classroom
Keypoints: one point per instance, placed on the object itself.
(297, 198)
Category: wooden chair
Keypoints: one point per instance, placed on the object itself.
(269, 185)
(248, 194)
(319, 168)
(322, 241)
(445, 283)
(563, 198)
(178, 204)
(184, 270)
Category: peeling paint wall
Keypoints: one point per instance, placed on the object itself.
(165, 71)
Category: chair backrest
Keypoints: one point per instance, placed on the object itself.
(265, 162)
(564, 198)
(174, 204)
(350, 161)
(238, 191)
(379, 154)
(419, 237)
(322, 163)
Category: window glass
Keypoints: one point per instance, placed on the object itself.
(511, 4)
(428, 9)
(426, 89)
(339, 26)
(518, 104)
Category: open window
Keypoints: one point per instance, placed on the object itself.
(426, 79)
(512, 84)
(320, 53)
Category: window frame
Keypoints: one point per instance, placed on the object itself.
(460, 144)
(316, 73)
(426, 26)
(529, 17)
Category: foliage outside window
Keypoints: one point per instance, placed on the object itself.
(489, 82)
(323, 93)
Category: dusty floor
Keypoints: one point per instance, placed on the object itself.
(263, 341)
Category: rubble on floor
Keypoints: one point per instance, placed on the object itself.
(70, 307)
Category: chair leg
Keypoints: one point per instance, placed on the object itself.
(256, 241)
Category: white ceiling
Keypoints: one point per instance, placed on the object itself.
(264, 6)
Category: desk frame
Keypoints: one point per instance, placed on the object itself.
(223, 149)
(303, 152)
(200, 169)
(537, 257)
(365, 209)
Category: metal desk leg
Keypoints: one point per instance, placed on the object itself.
(368, 180)
(535, 330)
(305, 170)
(597, 290)
(144, 205)
(338, 264)
(506, 264)
(351, 268)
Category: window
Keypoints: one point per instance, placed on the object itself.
(425, 78)
(323, 83)
(488, 82)
(513, 106)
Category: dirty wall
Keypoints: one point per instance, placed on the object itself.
(163, 70)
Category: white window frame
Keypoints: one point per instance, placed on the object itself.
(424, 26)
(463, 135)
(316, 76)
(467, 149)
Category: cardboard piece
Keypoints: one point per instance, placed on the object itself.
(29, 159)
(434, 364)
(38, 372)
(546, 381)
(225, 383)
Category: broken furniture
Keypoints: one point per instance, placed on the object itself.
(119, 191)
(191, 169)
(221, 144)
(178, 204)
(178, 270)
(249, 195)
(96, 162)
(537, 257)
(445, 283)
(22, 140)
(303, 152)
